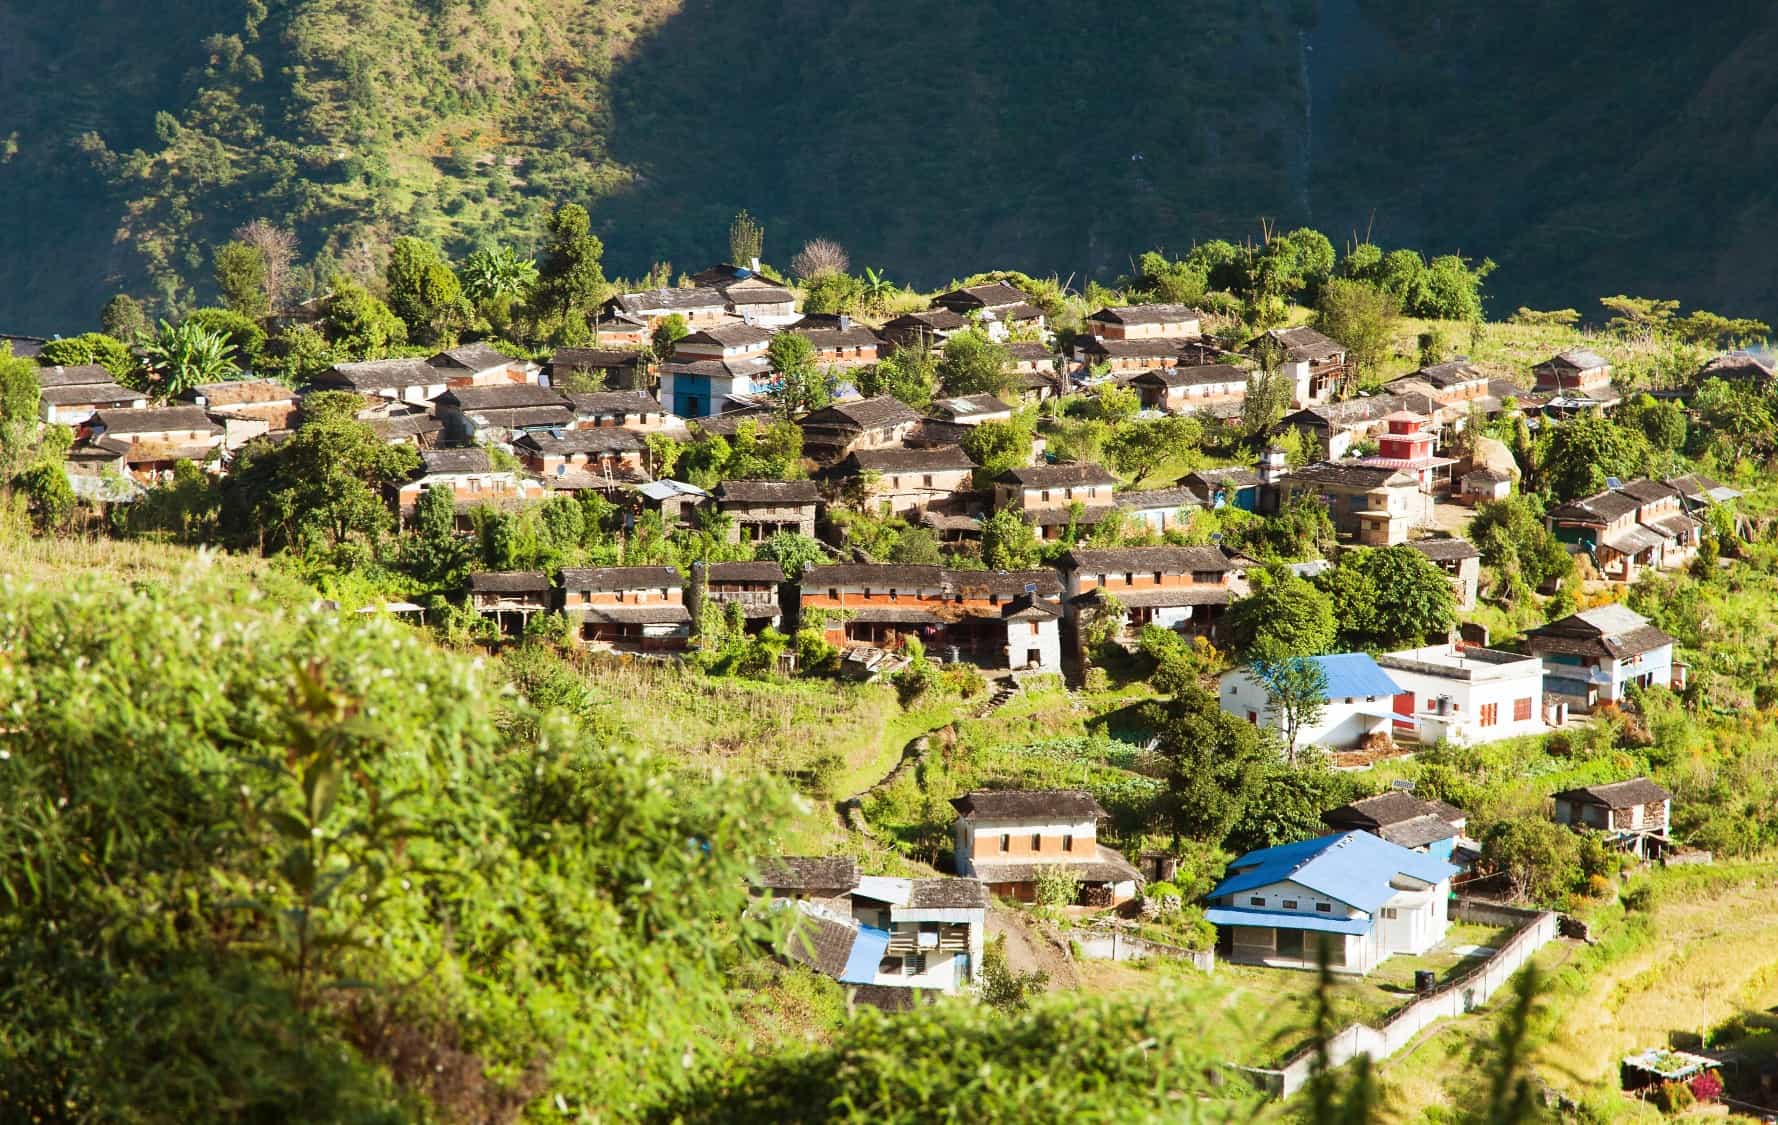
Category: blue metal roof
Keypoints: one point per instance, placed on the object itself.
(867, 953)
(1349, 867)
(1287, 920)
(1355, 674)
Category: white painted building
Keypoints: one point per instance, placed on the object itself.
(1467, 695)
(1360, 701)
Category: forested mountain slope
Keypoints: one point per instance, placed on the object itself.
(930, 138)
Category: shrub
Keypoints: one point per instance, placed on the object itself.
(1598, 886)
(1057, 886)
(1673, 1098)
(1003, 987)
(1706, 1087)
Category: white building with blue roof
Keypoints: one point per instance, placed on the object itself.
(1361, 895)
(1361, 701)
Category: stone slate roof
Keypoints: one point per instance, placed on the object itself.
(1147, 348)
(1608, 630)
(1447, 375)
(767, 492)
(931, 320)
(1574, 359)
(1168, 498)
(1618, 794)
(472, 357)
(1305, 344)
(85, 374)
(1601, 507)
(602, 439)
(992, 295)
(473, 459)
(944, 458)
(1341, 475)
(864, 414)
(81, 394)
(1137, 560)
(1058, 476)
(1146, 314)
(159, 419)
(1106, 866)
(593, 359)
(508, 582)
(603, 579)
(820, 941)
(1022, 804)
(672, 300)
(501, 396)
(1190, 375)
(1445, 550)
(377, 373)
(947, 894)
(808, 873)
(614, 402)
(729, 336)
(1027, 351)
(764, 571)
(1648, 491)
(1392, 806)
(241, 392)
(967, 406)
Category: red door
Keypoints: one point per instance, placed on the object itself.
(1404, 705)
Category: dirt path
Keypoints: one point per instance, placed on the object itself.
(1029, 949)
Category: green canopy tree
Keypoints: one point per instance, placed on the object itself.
(1389, 598)
(1008, 542)
(570, 279)
(358, 325)
(241, 278)
(1587, 449)
(1296, 693)
(1212, 760)
(972, 364)
(1285, 615)
(1360, 316)
(425, 293)
(801, 385)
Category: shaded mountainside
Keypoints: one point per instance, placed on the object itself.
(1587, 152)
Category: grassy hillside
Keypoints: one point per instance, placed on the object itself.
(931, 139)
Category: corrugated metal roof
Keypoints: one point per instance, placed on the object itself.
(1286, 920)
(1351, 867)
(867, 953)
(1354, 675)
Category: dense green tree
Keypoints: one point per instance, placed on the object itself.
(1661, 421)
(1738, 419)
(175, 359)
(358, 325)
(296, 355)
(91, 347)
(1585, 450)
(570, 280)
(1213, 758)
(999, 446)
(1169, 282)
(49, 493)
(972, 364)
(1541, 860)
(1137, 449)
(1389, 598)
(20, 395)
(123, 318)
(801, 385)
(1284, 616)
(1287, 804)
(241, 332)
(668, 331)
(909, 374)
(240, 277)
(425, 293)
(1269, 395)
(1452, 289)
(831, 293)
(1296, 692)
(1360, 316)
(746, 239)
(1008, 542)
(795, 553)
(321, 486)
(1517, 546)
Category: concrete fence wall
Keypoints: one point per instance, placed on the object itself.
(1114, 946)
(1472, 989)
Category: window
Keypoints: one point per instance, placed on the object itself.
(1036, 842)
(1289, 904)
(1324, 908)
(1490, 714)
(892, 594)
(1256, 900)
(833, 593)
(1389, 912)
(1129, 579)
(1157, 574)
(926, 480)
(1005, 842)
(1253, 717)
(1044, 496)
(1067, 842)
(1207, 577)
(1521, 709)
(914, 964)
(1034, 628)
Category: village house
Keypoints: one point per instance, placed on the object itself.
(629, 410)
(753, 586)
(760, 509)
(246, 408)
(1154, 511)
(1358, 896)
(1186, 589)
(482, 365)
(832, 432)
(472, 480)
(1595, 656)
(1011, 838)
(839, 341)
(1453, 384)
(1484, 486)
(618, 329)
(1120, 357)
(707, 388)
(1406, 446)
(1142, 322)
(930, 328)
(700, 306)
(1460, 561)
(1578, 371)
(402, 423)
(1431, 827)
(1186, 388)
(749, 294)
(74, 404)
(993, 619)
(674, 501)
(627, 608)
(971, 410)
(509, 598)
(1634, 525)
(723, 341)
(1358, 702)
(900, 481)
(1000, 308)
(1332, 429)
(1315, 365)
(1034, 368)
(875, 931)
(608, 453)
(497, 412)
(401, 380)
(1465, 694)
(153, 440)
(1376, 505)
(1048, 495)
(1633, 816)
(1738, 368)
(1700, 492)
(611, 369)
(1235, 487)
